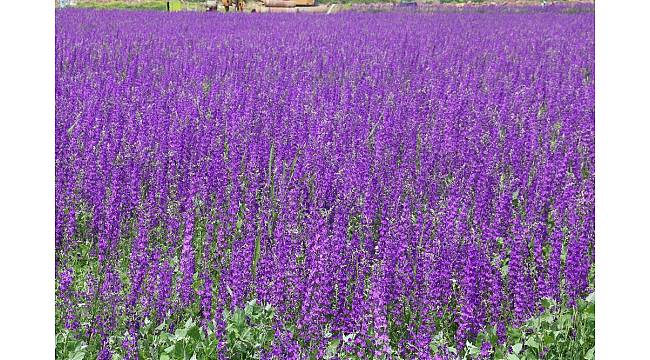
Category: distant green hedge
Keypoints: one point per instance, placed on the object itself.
(146, 5)
(175, 5)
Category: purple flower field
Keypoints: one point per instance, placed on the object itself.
(380, 181)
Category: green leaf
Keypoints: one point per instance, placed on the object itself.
(60, 338)
(178, 349)
(164, 357)
(189, 323)
(512, 357)
(532, 343)
(547, 303)
(180, 333)
(528, 354)
(516, 348)
(169, 349)
(473, 350)
(332, 347)
(515, 334)
(546, 318)
(78, 355)
(194, 333)
(504, 270)
(590, 354)
(161, 326)
(548, 339)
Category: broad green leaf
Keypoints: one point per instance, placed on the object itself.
(194, 333)
(180, 333)
(515, 334)
(546, 318)
(516, 348)
(532, 343)
(528, 354)
(78, 355)
(548, 339)
(164, 357)
(547, 303)
(590, 354)
(189, 323)
(332, 347)
(60, 338)
(512, 357)
(473, 350)
(178, 349)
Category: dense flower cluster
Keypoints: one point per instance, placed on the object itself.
(364, 174)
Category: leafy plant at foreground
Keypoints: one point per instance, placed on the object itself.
(557, 333)
(249, 331)
(560, 332)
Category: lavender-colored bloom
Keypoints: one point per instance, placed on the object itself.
(373, 172)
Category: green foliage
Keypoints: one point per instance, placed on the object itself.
(175, 5)
(188, 342)
(560, 332)
(124, 5)
(160, 5)
(249, 330)
(344, 347)
(460, 1)
(69, 347)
